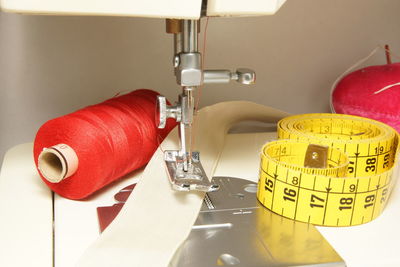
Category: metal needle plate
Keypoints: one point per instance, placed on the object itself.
(234, 229)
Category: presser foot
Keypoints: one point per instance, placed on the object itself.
(189, 177)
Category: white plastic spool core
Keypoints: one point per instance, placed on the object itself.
(57, 163)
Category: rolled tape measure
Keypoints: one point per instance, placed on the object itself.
(329, 169)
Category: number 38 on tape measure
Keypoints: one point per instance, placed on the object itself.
(329, 169)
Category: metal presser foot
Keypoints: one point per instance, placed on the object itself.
(183, 165)
(193, 178)
(184, 168)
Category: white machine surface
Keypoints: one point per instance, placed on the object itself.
(182, 9)
(26, 206)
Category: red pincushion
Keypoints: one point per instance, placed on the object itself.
(354, 94)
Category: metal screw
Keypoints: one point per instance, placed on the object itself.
(176, 61)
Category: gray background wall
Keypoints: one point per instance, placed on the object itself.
(50, 66)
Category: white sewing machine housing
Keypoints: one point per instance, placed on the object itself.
(29, 210)
(175, 9)
(43, 229)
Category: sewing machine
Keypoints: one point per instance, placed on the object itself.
(184, 165)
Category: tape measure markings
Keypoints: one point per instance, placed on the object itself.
(355, 198)
(327, 196)
(298, 194)
(331, 192)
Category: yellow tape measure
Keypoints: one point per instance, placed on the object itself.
(329, 169)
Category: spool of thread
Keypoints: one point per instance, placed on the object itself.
(80, 153)
(57, 162)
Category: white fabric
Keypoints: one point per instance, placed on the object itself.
(241, 155)
(156, 220)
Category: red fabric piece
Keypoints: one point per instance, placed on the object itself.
(110, 139)
(354, 94)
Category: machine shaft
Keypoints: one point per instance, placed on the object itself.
(189, 45)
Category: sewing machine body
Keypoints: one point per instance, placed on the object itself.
(152, 8)
(51, 231)
(28, 206)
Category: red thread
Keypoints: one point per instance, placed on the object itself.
(110, 139)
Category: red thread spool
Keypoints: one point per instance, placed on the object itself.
(103, 141)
